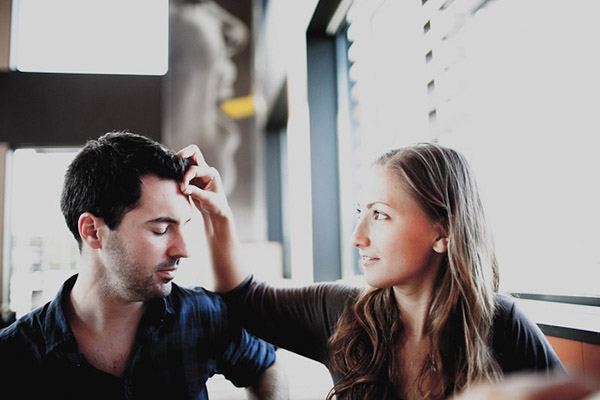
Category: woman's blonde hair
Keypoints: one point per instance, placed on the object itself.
(364, 345)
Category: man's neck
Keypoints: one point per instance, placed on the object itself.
(104, 325)
(98, 309)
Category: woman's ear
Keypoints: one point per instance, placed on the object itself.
(440, 245)
(89, 230)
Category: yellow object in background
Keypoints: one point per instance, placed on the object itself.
(239, 107)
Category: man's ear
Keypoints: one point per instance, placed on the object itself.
(90, 230)
(440, 245)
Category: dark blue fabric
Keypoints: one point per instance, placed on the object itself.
(182, 341)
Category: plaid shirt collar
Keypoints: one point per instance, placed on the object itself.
(58, 333)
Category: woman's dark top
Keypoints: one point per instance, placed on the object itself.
(302, 320)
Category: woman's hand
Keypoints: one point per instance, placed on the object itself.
(203, 184)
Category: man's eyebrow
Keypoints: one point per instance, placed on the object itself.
(166, 220)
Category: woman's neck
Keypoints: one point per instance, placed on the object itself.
(414, 310)
(414, 299)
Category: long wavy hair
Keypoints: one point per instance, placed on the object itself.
(364, 345)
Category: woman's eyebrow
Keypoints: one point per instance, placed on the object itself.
(369, 205)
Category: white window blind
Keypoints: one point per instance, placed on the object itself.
(514, 85)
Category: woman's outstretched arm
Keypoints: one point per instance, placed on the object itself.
(203, 184)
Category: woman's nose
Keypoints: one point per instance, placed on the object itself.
(360, 237)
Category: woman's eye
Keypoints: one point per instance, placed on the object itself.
(358, 211)
(378, 215)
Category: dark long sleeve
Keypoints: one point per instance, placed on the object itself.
(518, 343)
(298, 319)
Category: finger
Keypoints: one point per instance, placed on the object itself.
(188, 151)
(197, 175)
(217, 176)
(206, 201)
(192, 152)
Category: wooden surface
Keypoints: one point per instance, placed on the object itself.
(579, 357)
(5, 6)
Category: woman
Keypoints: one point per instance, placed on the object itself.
(431, 323)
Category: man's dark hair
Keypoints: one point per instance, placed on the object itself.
(105, 177)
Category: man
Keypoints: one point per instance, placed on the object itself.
(121, 329)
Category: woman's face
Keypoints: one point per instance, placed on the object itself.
(398, 243)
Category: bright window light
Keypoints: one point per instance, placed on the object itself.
(43, 253)
(90, 36)
(514, 86)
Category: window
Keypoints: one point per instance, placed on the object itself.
(514, 86)
(72, 36)
(41, 251)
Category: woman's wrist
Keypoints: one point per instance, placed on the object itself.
(225, 250)
(222, 223)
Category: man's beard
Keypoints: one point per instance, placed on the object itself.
(126, 281)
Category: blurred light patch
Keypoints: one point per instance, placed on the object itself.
(239, 107)
(90, 36)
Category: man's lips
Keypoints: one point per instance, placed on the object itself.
(167, 272)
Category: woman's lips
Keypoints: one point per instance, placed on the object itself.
(368, 260)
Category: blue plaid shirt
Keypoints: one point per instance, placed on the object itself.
(182, 341)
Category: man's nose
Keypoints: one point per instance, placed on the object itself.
(178, 246)
(360, 236)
